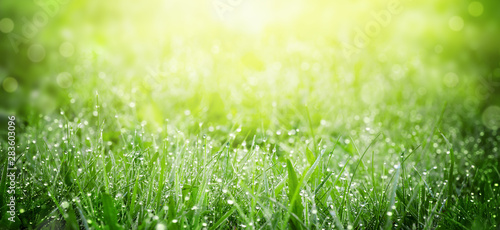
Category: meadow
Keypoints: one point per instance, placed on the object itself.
(135, 116)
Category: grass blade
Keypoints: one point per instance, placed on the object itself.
(222, 219)
(109, 212)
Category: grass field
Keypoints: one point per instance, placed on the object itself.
(128, 117)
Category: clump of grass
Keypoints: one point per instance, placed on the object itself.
(206, 181)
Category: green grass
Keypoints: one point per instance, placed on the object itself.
(275, 130)
(297, 173)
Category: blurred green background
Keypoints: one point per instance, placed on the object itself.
(228, 62)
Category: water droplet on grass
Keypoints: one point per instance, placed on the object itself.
(161, 226)
(65, 204)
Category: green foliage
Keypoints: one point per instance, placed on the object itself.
(295, 207)
(173, 122)
(109, 212)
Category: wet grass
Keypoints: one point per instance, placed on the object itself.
(329, 144)
(87, 172)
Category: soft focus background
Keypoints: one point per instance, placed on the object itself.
(164, 54)
(90, 76)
